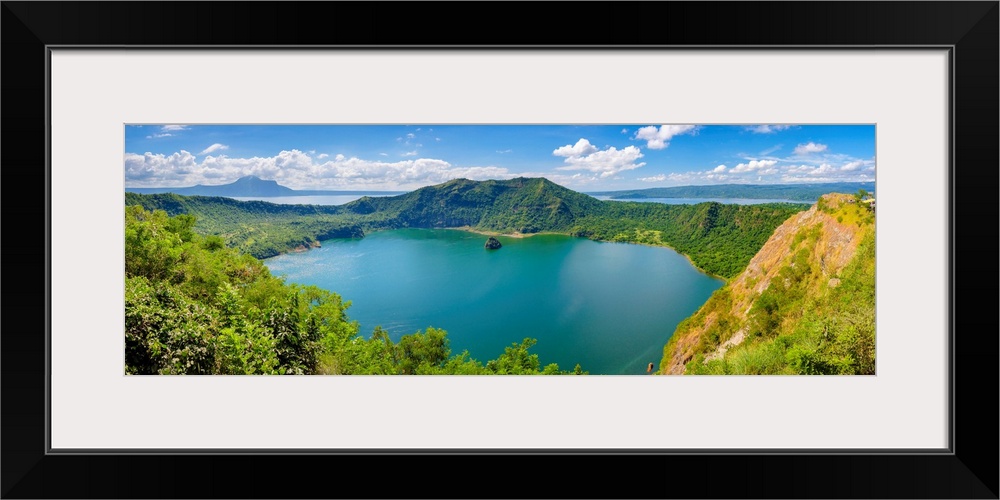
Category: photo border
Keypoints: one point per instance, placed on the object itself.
(969, 470)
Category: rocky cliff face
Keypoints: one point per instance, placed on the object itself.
(492, 243)
(820, 241)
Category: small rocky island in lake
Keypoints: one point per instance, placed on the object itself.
(493, 243)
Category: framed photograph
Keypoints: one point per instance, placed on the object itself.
(402, 241)
(903, 94)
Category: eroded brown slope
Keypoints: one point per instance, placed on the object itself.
(722, 322)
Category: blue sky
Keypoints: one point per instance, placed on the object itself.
(580, 157)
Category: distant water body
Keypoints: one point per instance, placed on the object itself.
(694, 201)
(338, 199)
(609, 306)
(347, 198)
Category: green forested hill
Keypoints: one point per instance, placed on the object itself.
(719, 239)
(522, 205)
(257, 228)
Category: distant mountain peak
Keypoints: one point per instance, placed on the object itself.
(249, 185)
(253, 179)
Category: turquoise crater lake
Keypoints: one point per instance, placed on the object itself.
(609, 306)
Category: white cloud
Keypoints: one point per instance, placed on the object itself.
(404, 174)
(165, 131)
(753, 165)
(773, 171)
(289, 160)
(625, 131)
(804, 149)
(437, 139)
(213, 148)
(582, 147)
(798, 169)
(298, 170)
(410, 153)
(321, 156)
(410, 136)
(383, 154)
(823, 169)
(679, 178)
(504, 151)
(826, 172)
(768, 129)
(790, 179)
(689, 178)
(157, 169)
(770, 150)
(584, 156)
(659, 138)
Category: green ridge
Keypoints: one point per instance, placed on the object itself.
(719, 239)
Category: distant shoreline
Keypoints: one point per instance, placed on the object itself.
(518, 235)
(528, 235)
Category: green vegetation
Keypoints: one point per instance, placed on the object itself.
(256, 228)
(719, 239)
(803, 322)
(194, 306)
(198, 300)
(856, 211)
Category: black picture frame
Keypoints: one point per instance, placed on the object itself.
(968, 470)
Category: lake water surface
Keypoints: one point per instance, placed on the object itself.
(609, 306)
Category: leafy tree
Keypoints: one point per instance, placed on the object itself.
(516, 360)
(151, 249)
(423, 350)
(165, 332)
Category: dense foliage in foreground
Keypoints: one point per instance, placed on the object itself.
(194, 306)
(719, 239)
